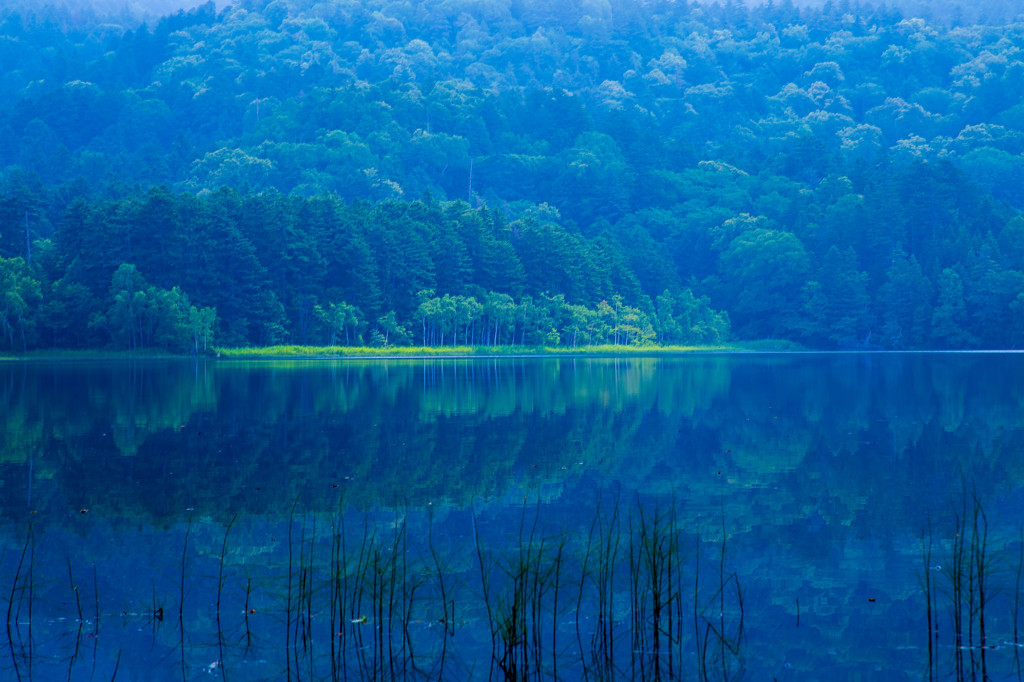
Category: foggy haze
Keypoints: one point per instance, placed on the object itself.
(948, 12)
(139, 9)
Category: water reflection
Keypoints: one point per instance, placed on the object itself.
(181, 485)
(174, 435)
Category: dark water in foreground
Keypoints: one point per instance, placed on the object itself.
(790, 517)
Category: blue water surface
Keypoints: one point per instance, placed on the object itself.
(776, 516)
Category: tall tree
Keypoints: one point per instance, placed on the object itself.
(762, 272)
(20, 293)
(905, 302)
(949, 319)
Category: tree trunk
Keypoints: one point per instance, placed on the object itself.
(28, 243)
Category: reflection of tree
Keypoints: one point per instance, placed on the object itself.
(829, 463)
(878, 436)
(72, 416)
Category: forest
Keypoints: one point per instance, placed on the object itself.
(512, 172)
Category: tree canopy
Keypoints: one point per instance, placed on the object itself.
(839, 174)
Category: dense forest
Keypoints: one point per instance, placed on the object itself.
(500, 172)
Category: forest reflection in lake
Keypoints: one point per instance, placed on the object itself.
(770, 515)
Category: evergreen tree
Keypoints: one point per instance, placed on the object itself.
(949, 319)
(905, 303)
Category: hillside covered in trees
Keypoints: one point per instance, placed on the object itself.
(512, 171)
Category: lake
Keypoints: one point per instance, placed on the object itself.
(756, 516)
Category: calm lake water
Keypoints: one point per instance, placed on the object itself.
(796, 517)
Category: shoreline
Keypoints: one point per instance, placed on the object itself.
(399, 352)
(420, 352)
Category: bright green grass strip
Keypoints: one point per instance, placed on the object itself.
(284, 352)
(338, 351)
(481, 351)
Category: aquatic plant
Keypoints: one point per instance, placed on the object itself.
(357, 602)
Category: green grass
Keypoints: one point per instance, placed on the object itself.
(484, 351)
(337, 351)
(285, 352)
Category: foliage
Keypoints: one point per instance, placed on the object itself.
(19, 293)
(141, 315)
(839, 174)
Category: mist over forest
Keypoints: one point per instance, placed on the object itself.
(496, 172)
(946, 12)
(128, 12)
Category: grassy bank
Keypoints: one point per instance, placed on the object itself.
(489, 351)
(284, 352)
